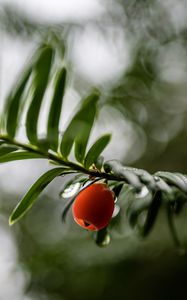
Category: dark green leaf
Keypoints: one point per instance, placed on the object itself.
(43, 144)
(144, 176)
(55, 110)
(5, 149)
(172, 227)
(19, 155)
(99, 162)
(78, 178)
(119, 222)
(117, 189)
(151, 215)
(41, 75)
(176, 179)
(30, 197)
(79, 128)
(96, 150)
(67, 208)
(13, 104)
(119, 170)
(162, 185)
(2, 122)
(136, 206)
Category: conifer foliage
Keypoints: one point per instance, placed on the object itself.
(148, 193)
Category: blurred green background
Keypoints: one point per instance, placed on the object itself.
(135, 52)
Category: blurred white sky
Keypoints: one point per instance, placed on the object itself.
(59, 10)
(13, 278)
(99, 54)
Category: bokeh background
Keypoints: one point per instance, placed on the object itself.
(135, 52)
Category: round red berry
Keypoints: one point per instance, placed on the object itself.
(93, 207)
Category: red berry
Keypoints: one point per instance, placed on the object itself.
(93, 207)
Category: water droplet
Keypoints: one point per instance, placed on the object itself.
(71, 190)
(116, 199)
(106, 241)
(116, 211)
(156, 178)
(143, 192)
